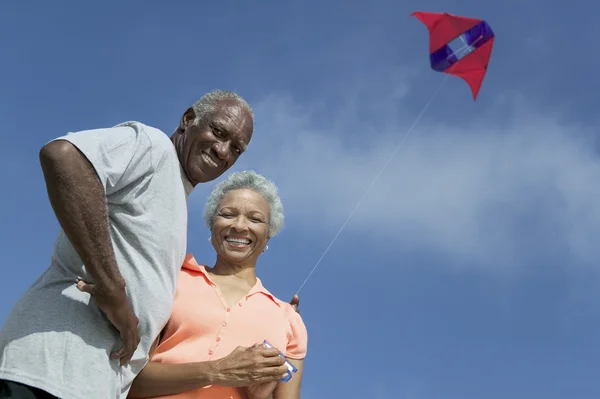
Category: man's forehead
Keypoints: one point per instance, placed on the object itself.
(231, 110)
(234, 118)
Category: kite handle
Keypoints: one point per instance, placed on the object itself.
(291, 368)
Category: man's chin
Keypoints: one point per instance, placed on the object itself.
(210, 177)
(201, 176)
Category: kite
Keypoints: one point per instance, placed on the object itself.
(474, 39)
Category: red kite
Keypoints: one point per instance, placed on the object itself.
(474, 39)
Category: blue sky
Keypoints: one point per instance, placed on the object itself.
(470, 270)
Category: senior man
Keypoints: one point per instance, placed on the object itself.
(120, 196)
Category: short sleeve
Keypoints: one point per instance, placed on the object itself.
(297, 344)
(120, 155)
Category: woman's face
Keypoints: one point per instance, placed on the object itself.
(241, 228)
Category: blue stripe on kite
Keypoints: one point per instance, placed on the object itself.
(474, 38)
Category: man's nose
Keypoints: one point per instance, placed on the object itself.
(222, 149)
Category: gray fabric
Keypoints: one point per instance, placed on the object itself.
(55, 337)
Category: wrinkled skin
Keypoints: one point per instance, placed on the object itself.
(210, 147)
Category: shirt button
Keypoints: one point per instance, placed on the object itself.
(224, 324)
(240, 304)
(210, 352)
(218, 339)
(229, 310)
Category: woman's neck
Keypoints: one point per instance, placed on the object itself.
(245, 272)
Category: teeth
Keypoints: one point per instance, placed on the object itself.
(209, 160)
(238, 240)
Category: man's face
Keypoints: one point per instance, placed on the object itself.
(208, 149)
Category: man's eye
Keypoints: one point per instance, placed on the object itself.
(217, 132)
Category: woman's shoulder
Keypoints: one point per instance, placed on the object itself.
(297, 333)
(289, 311)
(191, 267)
(191, 275)
(285, 306)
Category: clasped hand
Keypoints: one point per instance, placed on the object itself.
(257, 368)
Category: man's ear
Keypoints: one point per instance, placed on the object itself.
(187, 119)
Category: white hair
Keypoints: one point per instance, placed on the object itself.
(252, 181)
(208, 102)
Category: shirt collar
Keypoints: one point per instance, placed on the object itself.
(186, 182)
(190, 263)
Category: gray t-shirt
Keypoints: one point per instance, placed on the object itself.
(55, 337)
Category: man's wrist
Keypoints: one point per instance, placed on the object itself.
(112, 286)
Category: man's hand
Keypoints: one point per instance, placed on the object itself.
(295, 302)
(117, 308)
(250, 366)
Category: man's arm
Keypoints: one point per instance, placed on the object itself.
(79, 202)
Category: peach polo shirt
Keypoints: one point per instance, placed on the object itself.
(202, 327)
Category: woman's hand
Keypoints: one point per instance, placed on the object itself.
(261, 391)
(255, 365)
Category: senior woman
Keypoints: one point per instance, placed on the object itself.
(211, 348)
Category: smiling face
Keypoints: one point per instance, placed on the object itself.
(240, 230)
(210, 147)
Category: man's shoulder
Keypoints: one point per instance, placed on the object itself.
(157, 137)
(131, 133)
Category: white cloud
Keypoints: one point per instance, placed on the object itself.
(515, 189)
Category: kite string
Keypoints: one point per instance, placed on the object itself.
(389, 160)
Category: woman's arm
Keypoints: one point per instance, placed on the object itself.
(160, 379)
(157, 379)
(240, 368)
(290, 389)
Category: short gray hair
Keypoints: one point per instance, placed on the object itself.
(207, 103)
(250, 180)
